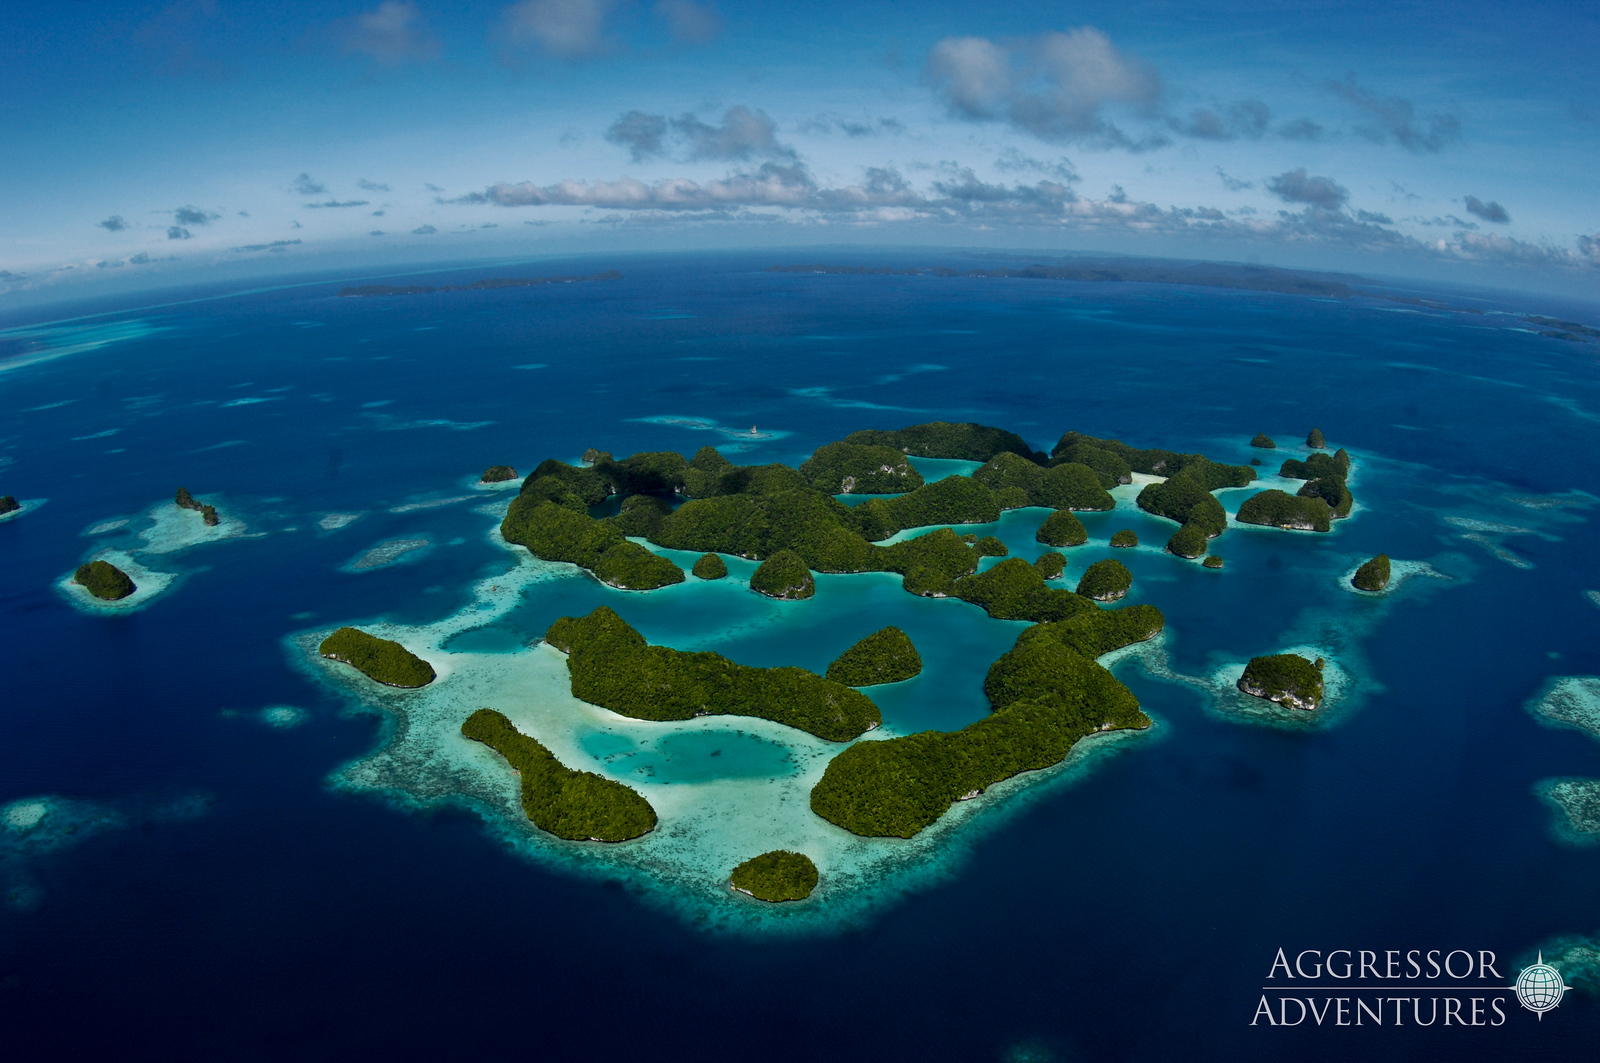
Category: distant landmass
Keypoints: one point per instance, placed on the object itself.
(369, 290)
(1206, 274)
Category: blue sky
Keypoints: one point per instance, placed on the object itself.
(1409, 139)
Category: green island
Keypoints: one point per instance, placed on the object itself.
(381, 660)
(784, 576)
(1316, 466)
(709, 566)
(942, 439)
(208, 513)
(1263, 441)
(1062, 528)
(1279, 509)
(1047, 692)
(1315, 441)
(860, 469)
(1372, 575)
(885, 656)
(612, 666)
(1016, 590)
(1105, 581)
(1286, 678)
(1188, 541)
(104, 580)
(496, 474)
(776, 876)
(1050, 564)
(9, 504)
(1212, 562)
(1124, 539)
(1018, 481)
(575, 805)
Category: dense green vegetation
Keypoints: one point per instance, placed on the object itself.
(495, 474)
(1185, 500)
(1105, 581)
(854, 469)
(208, 516)
(631, 567)
(1124, 539)
(1047, 692)
(776, 876)
(1332, 490)
(885, 656)
(1263, 441)
(1315, 440)
(1286, 678)
(382, 660)
(1212, 562)
(952, 500)
(1016, 590)
(612, 666)
(784, 575)
(8, 504)
(1373, 575)
(1062, 528)
(709, 566)
(641, 515)
(576, 805)
(1019, 481)
(564, 531)
(1156, 462)
(941, 439)
(104, 580)
(1050, 564)
(1278, 509)
(1188, 541)
(1111, 468)
(1336, 465)
(184, 500)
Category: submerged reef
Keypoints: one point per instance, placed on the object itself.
(1062, 528)
(381, 660)
(104, 580)
(1372, 575)
(709, 566)
(1579, 801)
(495, 474)
(856, 469)
(885, 656)
(784, 576)
(612, 666)
(776, 876)
(1047, 693)
(1286, 678)
(576, 805)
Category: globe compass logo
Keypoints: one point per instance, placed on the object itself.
(1539, 987)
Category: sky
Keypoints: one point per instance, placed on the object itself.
(146, 143)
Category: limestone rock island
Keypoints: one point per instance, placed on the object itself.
(1286, 678)
(785, 576)
(886, 656)
(8, 504)
(1125, 539)
(776, 876)
(1372, 576)
(382, 660)
(1105, 581)
(496, 474)
(1263, 441)
(1315, 440)
(709, 566)
(104, 580)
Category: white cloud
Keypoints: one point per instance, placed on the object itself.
(566, 29)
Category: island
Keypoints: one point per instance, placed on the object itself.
(885, 656)
(1050, 564)
(1062, 528)
(1263, 441)
(8, 504)
(381, 660)
(709, 566)
(1016, 590)
(496, 474)
(368, 291)
(1286, 678)
(776, 876)
(1279, 509)
(612, 666)
(1315, 441)
(784, 576)
(858, 469)
(1124, 539)
(1212, 562)
(1189, 541)
(1105, 581)
(104, 580)
(575, 805)
(1019, 481)
(1372, 575)
(1047, 693)
(943, 439)
(208, 513)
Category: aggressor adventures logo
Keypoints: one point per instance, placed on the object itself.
(1394, 987)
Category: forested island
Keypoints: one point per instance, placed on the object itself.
(497, 474)
(776, 876)
(104, 580)
(1286, 678)
(208, 513)
(368, 291)
(1321, 500)
(1372, 575)
(886, 656)
(576, 805)
(381, 660)
(8, 504)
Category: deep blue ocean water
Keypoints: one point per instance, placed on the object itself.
(221, 901)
